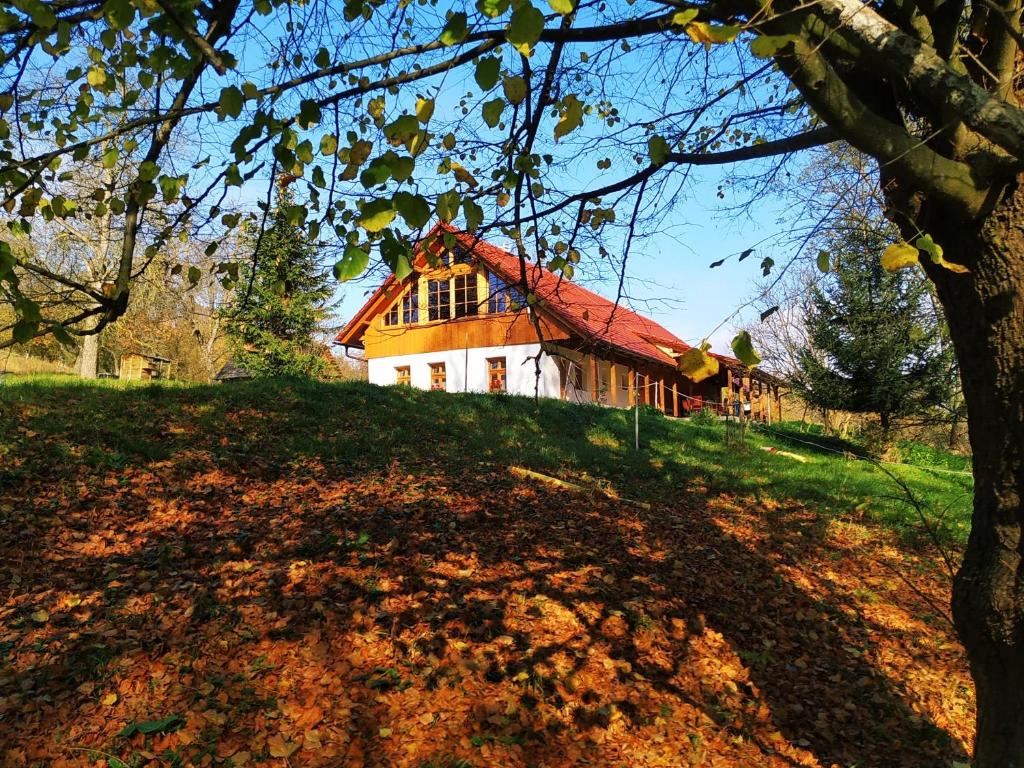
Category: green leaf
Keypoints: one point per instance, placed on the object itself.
(170, 187)
(395, 254)
(767, 46)
(309, 114)
(929, 246)
(41, 14)
(682, 18)
(474, 215)
(24, 330)
(658, 150)
(148, 171)
(515, 89)
(448, 205)
(353, 263)
(110, 157)
(119, 13)
(455, 29)
(152, 726)
(328, 144)
(488, 70)
(230, 102)
(935, 253)
(823, 262)
(375, 215)
(572, 116)
(743, 348)
(7, 260)
(194, 275)
(562, 6)
(525, 28)
(492, 9)
(413, 208)
(492, 112)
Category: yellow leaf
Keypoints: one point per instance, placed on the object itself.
(96, 76)
(110, 699)
(899, 256)
(572, 117)
(960, 269)
(40, 616)
(279, 747)
(463, 175)
(424, 110)
(384, 732)
(697, 365)
(503, 199)
(702, 32)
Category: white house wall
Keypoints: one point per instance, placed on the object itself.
(466, 370)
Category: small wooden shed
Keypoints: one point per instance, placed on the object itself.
(138, 366)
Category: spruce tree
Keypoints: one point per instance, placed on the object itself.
(875, 339)
(282, 300)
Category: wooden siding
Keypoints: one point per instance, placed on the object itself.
(480, 331)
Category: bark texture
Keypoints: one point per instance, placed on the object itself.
(985, 310)
(88, 360)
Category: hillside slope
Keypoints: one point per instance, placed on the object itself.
(347, 575)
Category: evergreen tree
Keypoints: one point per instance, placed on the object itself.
(875, 340)
(282, 301)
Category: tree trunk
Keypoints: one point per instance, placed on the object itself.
(985, 310)
(88, 360)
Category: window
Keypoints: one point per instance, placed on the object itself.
(437, 377)
(465, 295)
(502, 297)
(403, 375)
(462, 256)
(497, 294)
(496, 374)
(624, 381)
(411, 305)
(391, 316)
(439, 300)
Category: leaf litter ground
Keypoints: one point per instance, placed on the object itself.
(185, 585)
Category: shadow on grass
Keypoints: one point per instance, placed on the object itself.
(283, 542)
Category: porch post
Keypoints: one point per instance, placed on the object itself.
(593, 378)
(631, 387)
(675, 399)
(613, 385)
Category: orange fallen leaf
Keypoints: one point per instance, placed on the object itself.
(278, 746)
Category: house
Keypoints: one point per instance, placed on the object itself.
(231, 371)
(139, 366)
(460, 323)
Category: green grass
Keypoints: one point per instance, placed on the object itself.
(51, 425)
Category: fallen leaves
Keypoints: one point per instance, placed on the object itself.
(213, 605)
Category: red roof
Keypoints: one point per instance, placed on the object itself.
(593, 317)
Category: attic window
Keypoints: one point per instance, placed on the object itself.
(411, 305)
(461, 256)
(439, 300)
(502, 297)
(465, 295)
(391, 316)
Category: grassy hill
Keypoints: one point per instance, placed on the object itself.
(344, 574)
